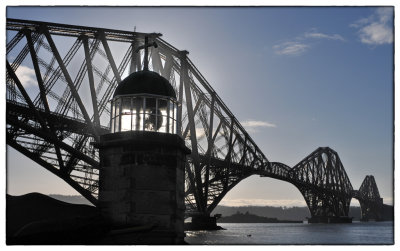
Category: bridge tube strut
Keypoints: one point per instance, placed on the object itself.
(193, 138)
(209, 149)
(228, 156)
(157, 65)
(42, 90)
(109, 56)
(88, 60)
(169, 62)
(74, 92)
(199, 102)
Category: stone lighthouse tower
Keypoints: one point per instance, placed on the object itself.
(141, 184)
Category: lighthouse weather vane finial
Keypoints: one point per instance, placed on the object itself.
(146, 52)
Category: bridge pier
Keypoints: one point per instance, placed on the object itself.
(327, 207)
(330, 219)
(203, 222)
(371, 211)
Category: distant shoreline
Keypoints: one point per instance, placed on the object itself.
(251, 218)
(279, 221)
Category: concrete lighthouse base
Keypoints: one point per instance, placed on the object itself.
(141, 187)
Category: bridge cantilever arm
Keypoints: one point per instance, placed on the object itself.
(49, 138)
(85, 193)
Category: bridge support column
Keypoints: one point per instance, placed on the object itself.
(327, 207)
(371, 211)
(330, 219)
(141, 187)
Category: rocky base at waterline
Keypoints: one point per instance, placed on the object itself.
(37, 219)
(192, 227)
(251, 218)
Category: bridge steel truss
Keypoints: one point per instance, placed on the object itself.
(56, 110)
(324, 184)
(371, 202)
(50, 120)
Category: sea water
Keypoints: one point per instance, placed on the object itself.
(295, 233)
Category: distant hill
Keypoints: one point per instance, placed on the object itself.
(281, 213)
(73, 199)
(251, 218)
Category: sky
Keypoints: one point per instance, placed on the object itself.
(297, 78)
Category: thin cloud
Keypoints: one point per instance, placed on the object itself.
(26, 76)
(290, 48)
(361, 22)
(301, 43)
(199, 133)
(376, 29)
(376, 34)
(255, 125)
(319, 35)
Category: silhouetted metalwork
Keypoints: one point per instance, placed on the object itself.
(322, 180)
(370, 201)
(55, 115)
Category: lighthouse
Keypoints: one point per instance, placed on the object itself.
(142, 162)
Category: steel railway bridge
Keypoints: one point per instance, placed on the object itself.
(54, 117)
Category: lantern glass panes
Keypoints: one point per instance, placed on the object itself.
(117, 114)
(172, 118)
(143, 113)
(126, 114)
(137, 114)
